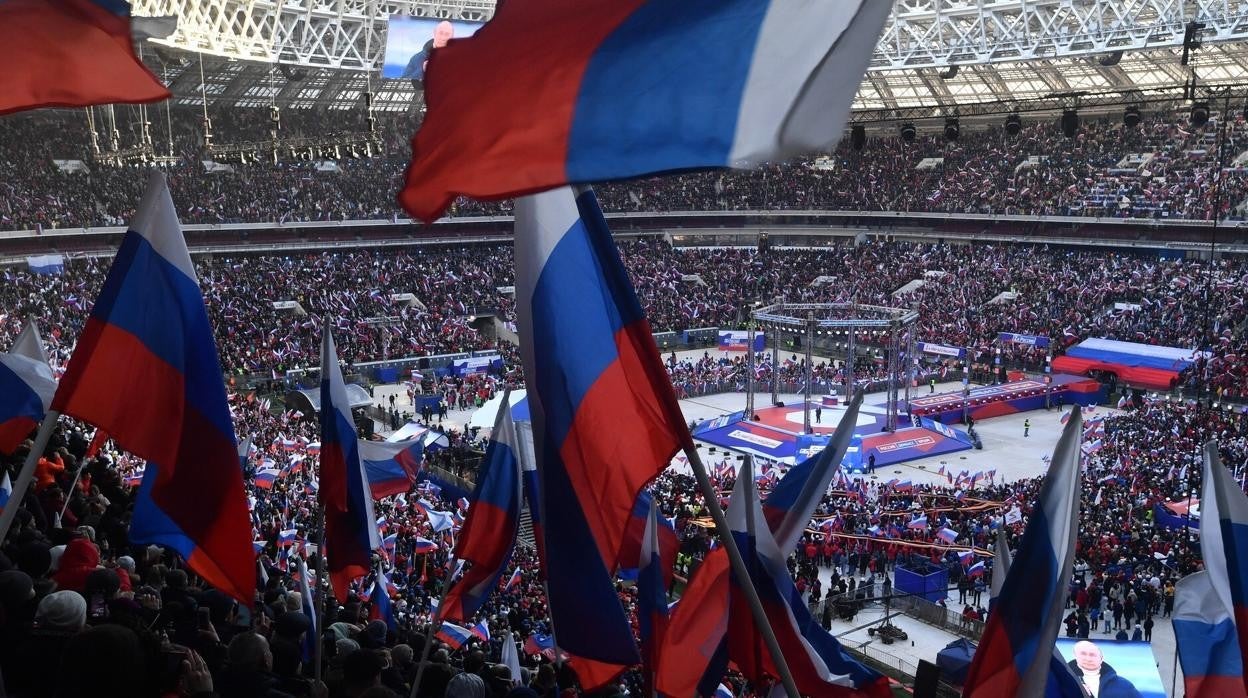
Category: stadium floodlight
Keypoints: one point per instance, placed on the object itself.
(951, 129)
(1131, 117)
(1013, 124)
(1200, 113)
(908, 132)
(857, 136)
(1070, 122)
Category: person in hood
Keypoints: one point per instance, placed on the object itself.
(1098, 677)
(80, 559)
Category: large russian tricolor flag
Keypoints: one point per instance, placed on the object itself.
(1015, 652)
(1211, 609)
(489, 535)
(605, 419)
(146, 372)
(350, 524)
(70, 53)
(820, 666)
(26, 388)
(391, 468)
(569, 91)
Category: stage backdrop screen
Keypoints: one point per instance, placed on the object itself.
(1131, 662)
(410, 40)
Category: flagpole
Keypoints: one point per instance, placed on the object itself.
(322, 581)
(28, 472)
(738, 568)
(70, 494)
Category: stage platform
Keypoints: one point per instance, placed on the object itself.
(1008, 398)
(776, 434)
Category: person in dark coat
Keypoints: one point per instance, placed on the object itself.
(1098, 676)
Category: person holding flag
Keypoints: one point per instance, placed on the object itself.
(145, 370)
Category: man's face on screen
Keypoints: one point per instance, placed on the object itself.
(442, 33)
(1088, 656)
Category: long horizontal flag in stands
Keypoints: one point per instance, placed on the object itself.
(818, 663)
(1216, 622)
(489, 536)
(70, 53)
(26, 387)
(591, 91)
(391, 467)
(605, 419)
(350, 524)
(1013, 656)
(146, 372)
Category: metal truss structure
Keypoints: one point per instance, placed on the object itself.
(933, 53)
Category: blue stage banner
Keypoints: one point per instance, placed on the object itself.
(941, 349)
(1028, 339)
(810, 444)
(737, 340)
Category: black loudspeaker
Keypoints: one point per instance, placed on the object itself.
(779, 403)
(926, 679)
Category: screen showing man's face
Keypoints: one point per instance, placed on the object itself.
(1088, 656)
(443, 33)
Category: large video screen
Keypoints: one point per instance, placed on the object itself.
(411, 40)
(1118, 666)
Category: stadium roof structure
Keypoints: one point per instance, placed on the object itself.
(933, 55)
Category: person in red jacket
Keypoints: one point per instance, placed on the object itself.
(81, 558)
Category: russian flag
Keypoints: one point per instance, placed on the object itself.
(947, 534)
(286, 538)
(438, 520)
(489, 536)
(513, 581)
(26, 388)
(1062, 682)
(634, 539)
(540, 643)
(820, 666)
(391, 468)
(976, 569)
(1204, 633)
(6, 491)
(70, 53)
(965, 557)
(1224, 550)
(265, 477)
(481, 630)
(146, 372)
(350, 532)
(424, 546)
(651, 599)
(918, 522)
(610, 89)
(605, 419)
(380, 608)
(1013, 656)
(313, 448)
(454, 635)
(309, 609)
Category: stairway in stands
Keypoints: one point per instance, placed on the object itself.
(525, 535)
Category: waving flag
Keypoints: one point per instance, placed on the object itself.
(918, 522)
(1211, 629)
(439, 521)
(481, 630)
(651, 599)
(265, 478)
(634, 539)
(599, 90)
(391, 468)
(26, 388)
(424, 546)
(6, 490)
(309, 609)
(454, 635)
(513, 581)
(350, 529)
(820, 666)
(510, 658)
(489, 536)
(947, 534)
(1013, 657)
(381, 608)
(1204, 633)
(70, 53)
(146, 372)
(605, 419)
